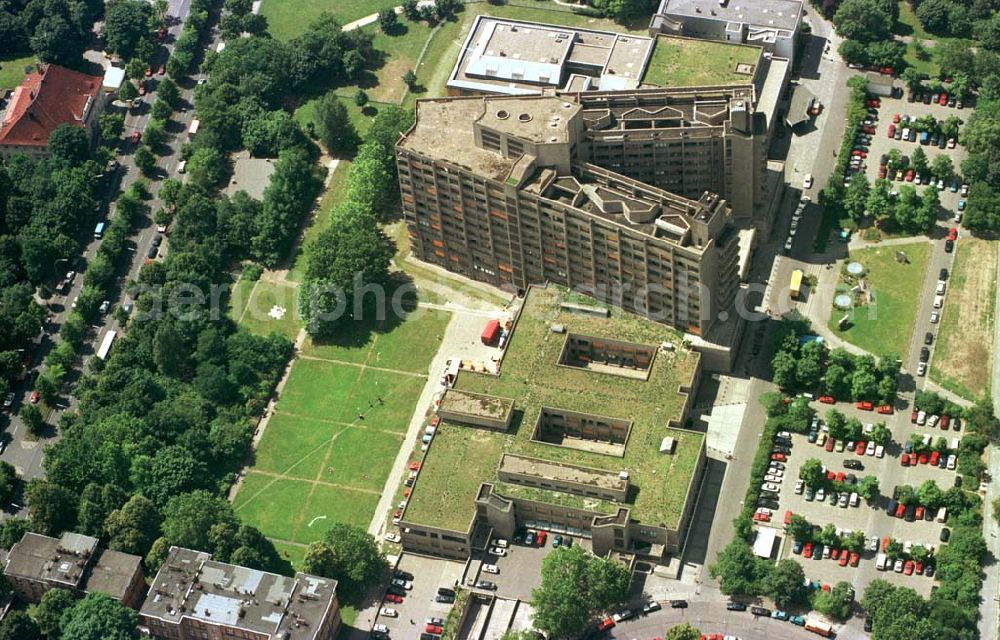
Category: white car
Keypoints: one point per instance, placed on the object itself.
(899, 566)
(870, 449)
(770, 486)
(935, 317)
(826, 551)
(921, 418)
(799, 486)
(820, 494)
(788, 244)
(500, 542)
(491, 568)
(807, 183)
(855, 500)
(879, 451)
(406, 584)
(873, 543)
(951, 462)
(497, 551)
(764, 511)
(933, 420)
(795, 223)
(392, 537)
(381, 628)
(921, 368)
(388, 612)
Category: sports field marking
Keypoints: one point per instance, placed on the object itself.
(313, 521)
(281, 476)
(365, 366)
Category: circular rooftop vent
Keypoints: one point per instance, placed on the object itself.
(503, 114)
(524, 117)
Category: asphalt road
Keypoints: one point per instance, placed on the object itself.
(709, 617)
(27, 454)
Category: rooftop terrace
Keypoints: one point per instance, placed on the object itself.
(686, 62)
(461, 458)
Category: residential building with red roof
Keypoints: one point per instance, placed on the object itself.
(47, 98)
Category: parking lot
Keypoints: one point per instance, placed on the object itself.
(428, 575)
(520, 569)
(870, 520)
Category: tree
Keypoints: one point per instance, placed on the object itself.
(739, 570)
(155, 133)
(189, 517)
(206, 168)
(836, 423)
(575, 586)
(812, 473)
(161, 112)
(125, 23)
(837, 602)
(784, 584)
(51, 507)
(918, 160)
(886, 53)
(351, 252)
(50, 610)
(68, 145)
(145, 159)
(111, 126)
(950, 126)
(880, 434)
(334, 124)
(930, 494)
(411, 10)
(100, 617)
(360, 98)
(799, 528)
(864, 385)
(59, 38)
(388, 22)
(942, 167)
(167, 91)
(134, 527)
(32, 418)
(17, 625)
(912, 77)
(933, 15)
(683, 631)
(128, 91)
(988, 32)
(856, 197)
(410, 79)
(348, 554)
(8, 483)
(854, 52)
(783, 367)
(864, 20)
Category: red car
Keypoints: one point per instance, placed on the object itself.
(860, 448)
(922, 458)
(864, 405)
(920, 568)
(843, 558)
(953, 233)
(855, 557)
(868, 129)
(840, 476)
(935, 456)
(913, 417)
(161, 70)
(919, 513)
(887, 71)
(895, 118)
(881, 172)
(540, 538)
(829, 444)
(149, 71)
(885, 543)
(788, 516)
(433, 628)
(142, 88)
(136, 137)
(904, 460)
(397, 514)
(605, 624)
(900, 510)
(892, 131)
(943, 100)
(944, 422)
(413, 466)
(393, 598)
(778, 457)
(874, 102)
(807, 551)
(435, 421)
(858, 153)
(827, 399)
(834, 554)
(913, 459)
(34, 397)
(830, 475)
(908, 568)
(884, 409)
(761, 517)
(909, 175)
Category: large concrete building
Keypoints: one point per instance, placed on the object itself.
(195, 598)
(47, 98)
(771, 24)
(596, 448)
(40, 563)
(501, 189)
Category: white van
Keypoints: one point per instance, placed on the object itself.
(182, 166)
(954, 444)
(880, 561)
(938, 301)
(942, 515)
(951, 462)
(940, 287)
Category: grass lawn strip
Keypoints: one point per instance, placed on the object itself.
(272, 505)
(352, 455)
(963, 356)
(886, 325)
(294, 446)
(682, 62)
(321, 219)
(288, 18)
(277, 298)
(12, 70)
(530, 376)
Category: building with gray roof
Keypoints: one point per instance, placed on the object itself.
(195, 597)
(771, 24)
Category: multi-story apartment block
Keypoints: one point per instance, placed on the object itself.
(47, 98)
(772, 24)
(39, 563)
(196, 598)
(500, 189)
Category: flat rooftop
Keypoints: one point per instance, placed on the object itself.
(461, 458)
(191, 584)
(61, 561)
(774, 14)
(525, 58)
(112, 573)
(476, 404)
(560, 471)
(686, 62)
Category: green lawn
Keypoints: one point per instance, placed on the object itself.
(963, 357)
(288, 18)
(318, 389)
(321, 218)
(12, 70)
(293, 553)
(886, 326)
(270, 307)
(683, 62)
(345, 467)
(408, 346)
(295, 446)
(360, 118)
(908, 24)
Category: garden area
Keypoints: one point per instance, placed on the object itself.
(881, 300)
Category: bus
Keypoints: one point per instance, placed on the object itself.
(795, 287)
(109, 339)
(818, 627)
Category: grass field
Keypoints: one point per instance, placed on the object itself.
(12, 70)
(682, 62)
(321, 218)
(252, 306)
(963, 357)
(288, 18)
(336, 429)
(886, 325)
